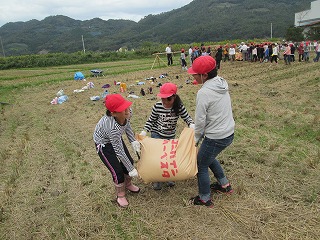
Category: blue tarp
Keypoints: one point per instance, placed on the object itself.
(78, 76)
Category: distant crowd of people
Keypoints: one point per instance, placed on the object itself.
(252, 52)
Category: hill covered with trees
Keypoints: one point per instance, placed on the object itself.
(198, 21)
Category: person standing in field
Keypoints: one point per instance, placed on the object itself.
(218, 57)
(226, 53)
(317, 50)
(315, 44)
(266, 55)
(203, 51)
(244, 51)
(111, 147)
(169, 54)
(293, 50)
(232, 53)
(260, 52)
(249, 54)
(183, 60)
(254, 53)
(287, 54)
(300, 51)
(162, 122)
(306, 55)
(214, 124)
(209, 50)
(274, 56)
(195, 53)
(190, 55)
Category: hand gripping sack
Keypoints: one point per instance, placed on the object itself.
(168, 160)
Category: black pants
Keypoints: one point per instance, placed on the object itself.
(300, 57)
(274, 58)
(169, 57)
(218, 63)
(183, 63)
(111, 161)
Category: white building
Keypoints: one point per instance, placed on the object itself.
(309, 17)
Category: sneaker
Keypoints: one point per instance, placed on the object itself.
(171, 184)
(157, 185)
(197, 201)
(216, 187)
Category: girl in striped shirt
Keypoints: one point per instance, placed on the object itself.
(111, 147)
(162, 122)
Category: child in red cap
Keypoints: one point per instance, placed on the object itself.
(111, 147)
(162, 122)
(183, 60)
(214, 123)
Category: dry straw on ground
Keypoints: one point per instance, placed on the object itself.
(53, 185)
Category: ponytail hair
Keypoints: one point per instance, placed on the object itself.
(177, 104)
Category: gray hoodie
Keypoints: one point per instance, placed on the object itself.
(213, 117)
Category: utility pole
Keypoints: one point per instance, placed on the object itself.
(271, 30)
(2, 47)
(84, 49)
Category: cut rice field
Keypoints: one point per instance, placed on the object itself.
(54, 186)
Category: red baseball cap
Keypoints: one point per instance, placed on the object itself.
(167, 90)
(202, 65)
(116, 103)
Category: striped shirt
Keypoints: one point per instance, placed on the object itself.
(164, 121)
(107, 131)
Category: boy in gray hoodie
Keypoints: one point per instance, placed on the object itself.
(215, 124)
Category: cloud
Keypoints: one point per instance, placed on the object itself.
(17, 10)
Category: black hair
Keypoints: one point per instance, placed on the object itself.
(108, 113)
(213, 73)
(176, 104)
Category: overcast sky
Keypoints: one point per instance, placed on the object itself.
(25, 10)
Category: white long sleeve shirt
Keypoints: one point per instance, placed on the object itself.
(108, 130)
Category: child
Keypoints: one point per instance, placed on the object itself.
(287, 54)
(162, 122)
(274, 56)
(218, 57)
(300, 52)
(213, 122)
(232, 52)
(111, 147)
(254, 53)
(266, 55)
(183, 60)
(226, 53)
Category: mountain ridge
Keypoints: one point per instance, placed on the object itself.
(198, 21)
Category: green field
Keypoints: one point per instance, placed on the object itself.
(54, 186)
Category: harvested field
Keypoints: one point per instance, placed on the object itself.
(54, 186)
